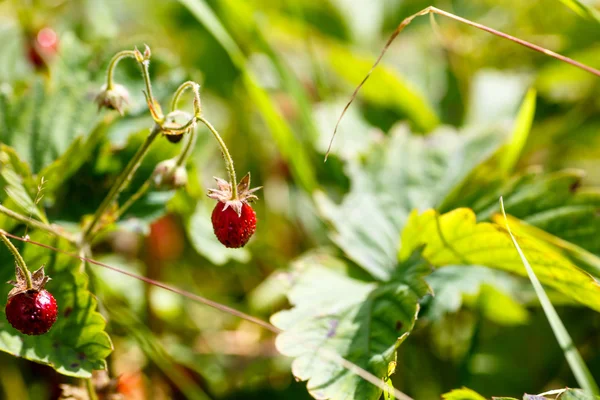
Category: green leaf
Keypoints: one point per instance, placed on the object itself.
(576, 394)
(363, 322)
(576, 363)
(77, 344)
(582, 9)
(456, 284)
(14, 176)
(512, 150)
(203, 239)
(399, 174)
(462, 394)
(384, 88)
(552, 202)
(456, 238)
(41, 122)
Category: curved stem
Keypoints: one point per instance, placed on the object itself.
(18, 259)
(122, 181)
(181, 89)
(226, 156)
(113, 63)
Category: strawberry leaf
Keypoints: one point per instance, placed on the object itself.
(456, 238)
(77, 344)
(571, 213)
(402, 173)
(364, 322)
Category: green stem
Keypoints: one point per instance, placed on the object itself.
(226, 156)
(135, 197)
(36, 224)
(18, 259)
(122, 181)
(91, 391)
(113, 63)
(146, 75)
(182, 88)
(187, 150)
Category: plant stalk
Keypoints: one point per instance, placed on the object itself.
(113, 63)
(18, 259)
(122, 181)
(226, 156)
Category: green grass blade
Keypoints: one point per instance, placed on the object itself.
(582, 9)
(580, 370)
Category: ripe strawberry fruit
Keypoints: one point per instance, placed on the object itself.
(31, 311)
(233, 219)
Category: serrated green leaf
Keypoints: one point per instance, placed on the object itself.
(462, 394)
(45, 119)
(552, 202)
(400, 174)
(364, 322)
(456, 238)
(77, 344)
(13, 184)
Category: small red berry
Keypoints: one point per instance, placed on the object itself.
(32, 312)
(232, 230)
(233, 219)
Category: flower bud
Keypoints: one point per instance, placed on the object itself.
(173, 123)
(114, 99)
(167, 175)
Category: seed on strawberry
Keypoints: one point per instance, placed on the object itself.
(233, 219)
(32, 312)
(31, 309)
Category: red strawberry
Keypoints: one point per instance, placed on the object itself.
(33, 310)
(233, 219)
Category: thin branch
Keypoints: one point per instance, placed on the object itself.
(433, 10)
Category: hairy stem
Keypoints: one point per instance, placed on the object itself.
(18, 259)
(113, 63)
(434, 10)
(121, 182)
(226, 156)
(182, 88)
(187, 150)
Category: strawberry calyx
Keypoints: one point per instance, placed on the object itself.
(224, 194)
(38, 281)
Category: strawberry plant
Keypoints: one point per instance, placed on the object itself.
(392, 270)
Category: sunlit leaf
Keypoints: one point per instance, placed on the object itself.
(401, 173)
(364, 322)
(456, 238)
(462, 394)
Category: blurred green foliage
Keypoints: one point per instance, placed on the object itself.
(431, 129)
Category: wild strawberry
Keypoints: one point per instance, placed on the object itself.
(42, 47)
(233, 219)
(31, 311)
